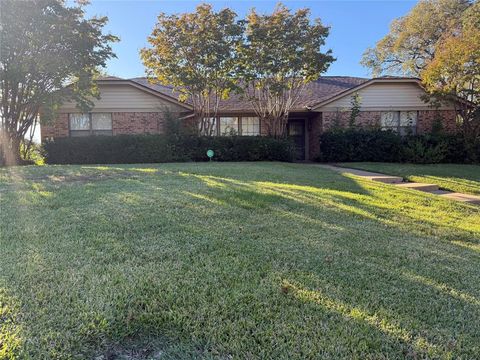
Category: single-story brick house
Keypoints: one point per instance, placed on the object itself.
(134, 106)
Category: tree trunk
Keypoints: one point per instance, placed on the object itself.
(11, 150)
(277, 126)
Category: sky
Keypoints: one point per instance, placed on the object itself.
(354, 26)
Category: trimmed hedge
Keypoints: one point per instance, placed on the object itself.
(163, 148)
(387, 146)
(359, 145)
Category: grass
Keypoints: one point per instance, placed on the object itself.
(226, 260)
(454, 177)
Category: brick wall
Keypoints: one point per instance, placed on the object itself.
(55, 129)
(314, 130)
(137, 123)
(122, 123)
(425, 120)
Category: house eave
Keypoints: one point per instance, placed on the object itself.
(146, 89)
(382, 80)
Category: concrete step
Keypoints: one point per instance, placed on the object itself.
(398, 181)
(419, 186)
(385, 179)
(471, 199)
(441, 192)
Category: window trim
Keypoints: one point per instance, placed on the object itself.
(91, 131)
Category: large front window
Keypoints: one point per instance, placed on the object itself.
(250, 126)
(228, 126)
(402, 122)
(235, 125)
(83, 124)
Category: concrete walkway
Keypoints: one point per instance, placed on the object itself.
(398, 181)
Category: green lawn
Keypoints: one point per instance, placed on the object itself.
(459, 178)
(232, 260)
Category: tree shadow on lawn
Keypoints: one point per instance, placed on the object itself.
(347, 276)
(413, 212)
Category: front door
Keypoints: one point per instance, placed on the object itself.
(296, 131)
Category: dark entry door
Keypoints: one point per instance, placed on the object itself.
(296, 131)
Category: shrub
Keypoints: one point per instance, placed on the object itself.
(164, 148)
(32, 154)
(238, 148)
(424, 150)
(360, 145)
(386, 146)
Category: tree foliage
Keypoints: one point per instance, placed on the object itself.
(412, 41)
(45, 46)
(196, 53)
(438, 41)
(206, 55)
(280, 54)
(454, 73)
(355, 107)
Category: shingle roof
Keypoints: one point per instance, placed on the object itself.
(326, 87)
(314, 93)
(164, 89)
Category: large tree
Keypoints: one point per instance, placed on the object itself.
(49, 53)
(196, 53)
(280, 54)
(454, 73)
(439, 42)
(412, 41)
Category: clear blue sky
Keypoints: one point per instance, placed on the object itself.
(355, 25)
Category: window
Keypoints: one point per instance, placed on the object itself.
(232, 125)
(403, 122)
(228, 125)
(90, 124)
(408, 122)
(250, 126)
(296, 128)
(102, 124)
(79, 125)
